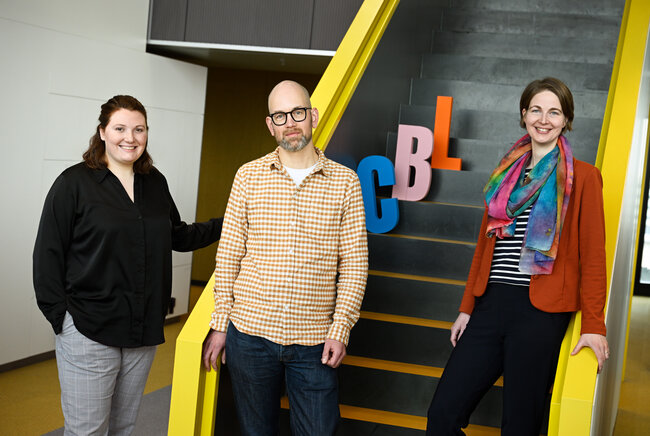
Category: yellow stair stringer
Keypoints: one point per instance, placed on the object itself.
(572, 401)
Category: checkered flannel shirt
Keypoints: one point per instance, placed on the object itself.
(281, 249)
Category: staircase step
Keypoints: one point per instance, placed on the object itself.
(405, 394)
(412, 298)
(496, 97)
(404, 343)
(407, 368)
(363, 421)
(604, 27)
(484, 155)
(408, 255)
(408, 320)
(357, 421)
(494, 128)
(587, 7)
(476, 154)
(577, 76)
(508, 46)
(421, 218)
(457, 187)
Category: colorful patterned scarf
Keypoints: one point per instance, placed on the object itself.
(508, 193)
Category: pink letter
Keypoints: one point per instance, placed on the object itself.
(405, 158)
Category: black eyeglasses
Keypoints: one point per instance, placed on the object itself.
(298, 114)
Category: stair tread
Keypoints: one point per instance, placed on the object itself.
(545, 23)
(497, 97)
(590, 7)
(404, 255)
(416, 277)
(502, 70)
(397, 419)
(410, 320)
(518, 46)
(407, 368)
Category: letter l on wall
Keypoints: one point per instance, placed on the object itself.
(440, 157)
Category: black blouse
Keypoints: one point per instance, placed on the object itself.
(107, 260)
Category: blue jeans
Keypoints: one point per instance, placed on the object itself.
(258, 368)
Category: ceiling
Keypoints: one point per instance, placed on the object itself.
(244, 57)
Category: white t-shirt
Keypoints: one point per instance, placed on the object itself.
(299, 174)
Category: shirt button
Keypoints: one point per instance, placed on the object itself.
(291, 251)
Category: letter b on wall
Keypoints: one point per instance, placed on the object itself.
(405, 158)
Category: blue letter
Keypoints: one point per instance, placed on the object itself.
(386, 177)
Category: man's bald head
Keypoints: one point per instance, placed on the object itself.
(289, 101)
(288, 87)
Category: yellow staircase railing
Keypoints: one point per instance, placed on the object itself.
(194, 390)
(572, 403)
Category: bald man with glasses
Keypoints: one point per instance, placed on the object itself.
(290, 276)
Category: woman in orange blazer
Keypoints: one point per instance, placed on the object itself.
(540, 257)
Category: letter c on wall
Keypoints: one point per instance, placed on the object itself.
(386, 177)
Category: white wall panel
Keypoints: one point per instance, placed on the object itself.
(118, 22)
(94, 70)
(60, 60)
(181, 279)
(72, 122)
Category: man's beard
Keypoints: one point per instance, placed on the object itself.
(302, 143)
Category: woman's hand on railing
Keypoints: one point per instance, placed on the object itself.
(596, 342)
(214, 344)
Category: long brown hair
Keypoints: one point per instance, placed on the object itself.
(95, 157)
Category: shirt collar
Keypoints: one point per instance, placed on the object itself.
(100, 174)
(322, 164)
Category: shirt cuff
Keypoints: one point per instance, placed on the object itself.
(339, 332)
(219, 322)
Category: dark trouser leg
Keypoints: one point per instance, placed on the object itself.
(313, 391)
(532, 345)
(473, 367)
(257, 375)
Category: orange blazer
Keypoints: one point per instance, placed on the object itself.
(578, 280)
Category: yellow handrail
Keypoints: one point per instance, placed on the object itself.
(194, 391)
(572, 401)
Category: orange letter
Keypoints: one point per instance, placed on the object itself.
(440, 157)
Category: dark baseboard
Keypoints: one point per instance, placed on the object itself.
(27, 361)
(174, 319)
(51, 355)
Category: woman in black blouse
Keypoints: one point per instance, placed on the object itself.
(103, 266)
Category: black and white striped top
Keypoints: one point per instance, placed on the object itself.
(505, 261)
